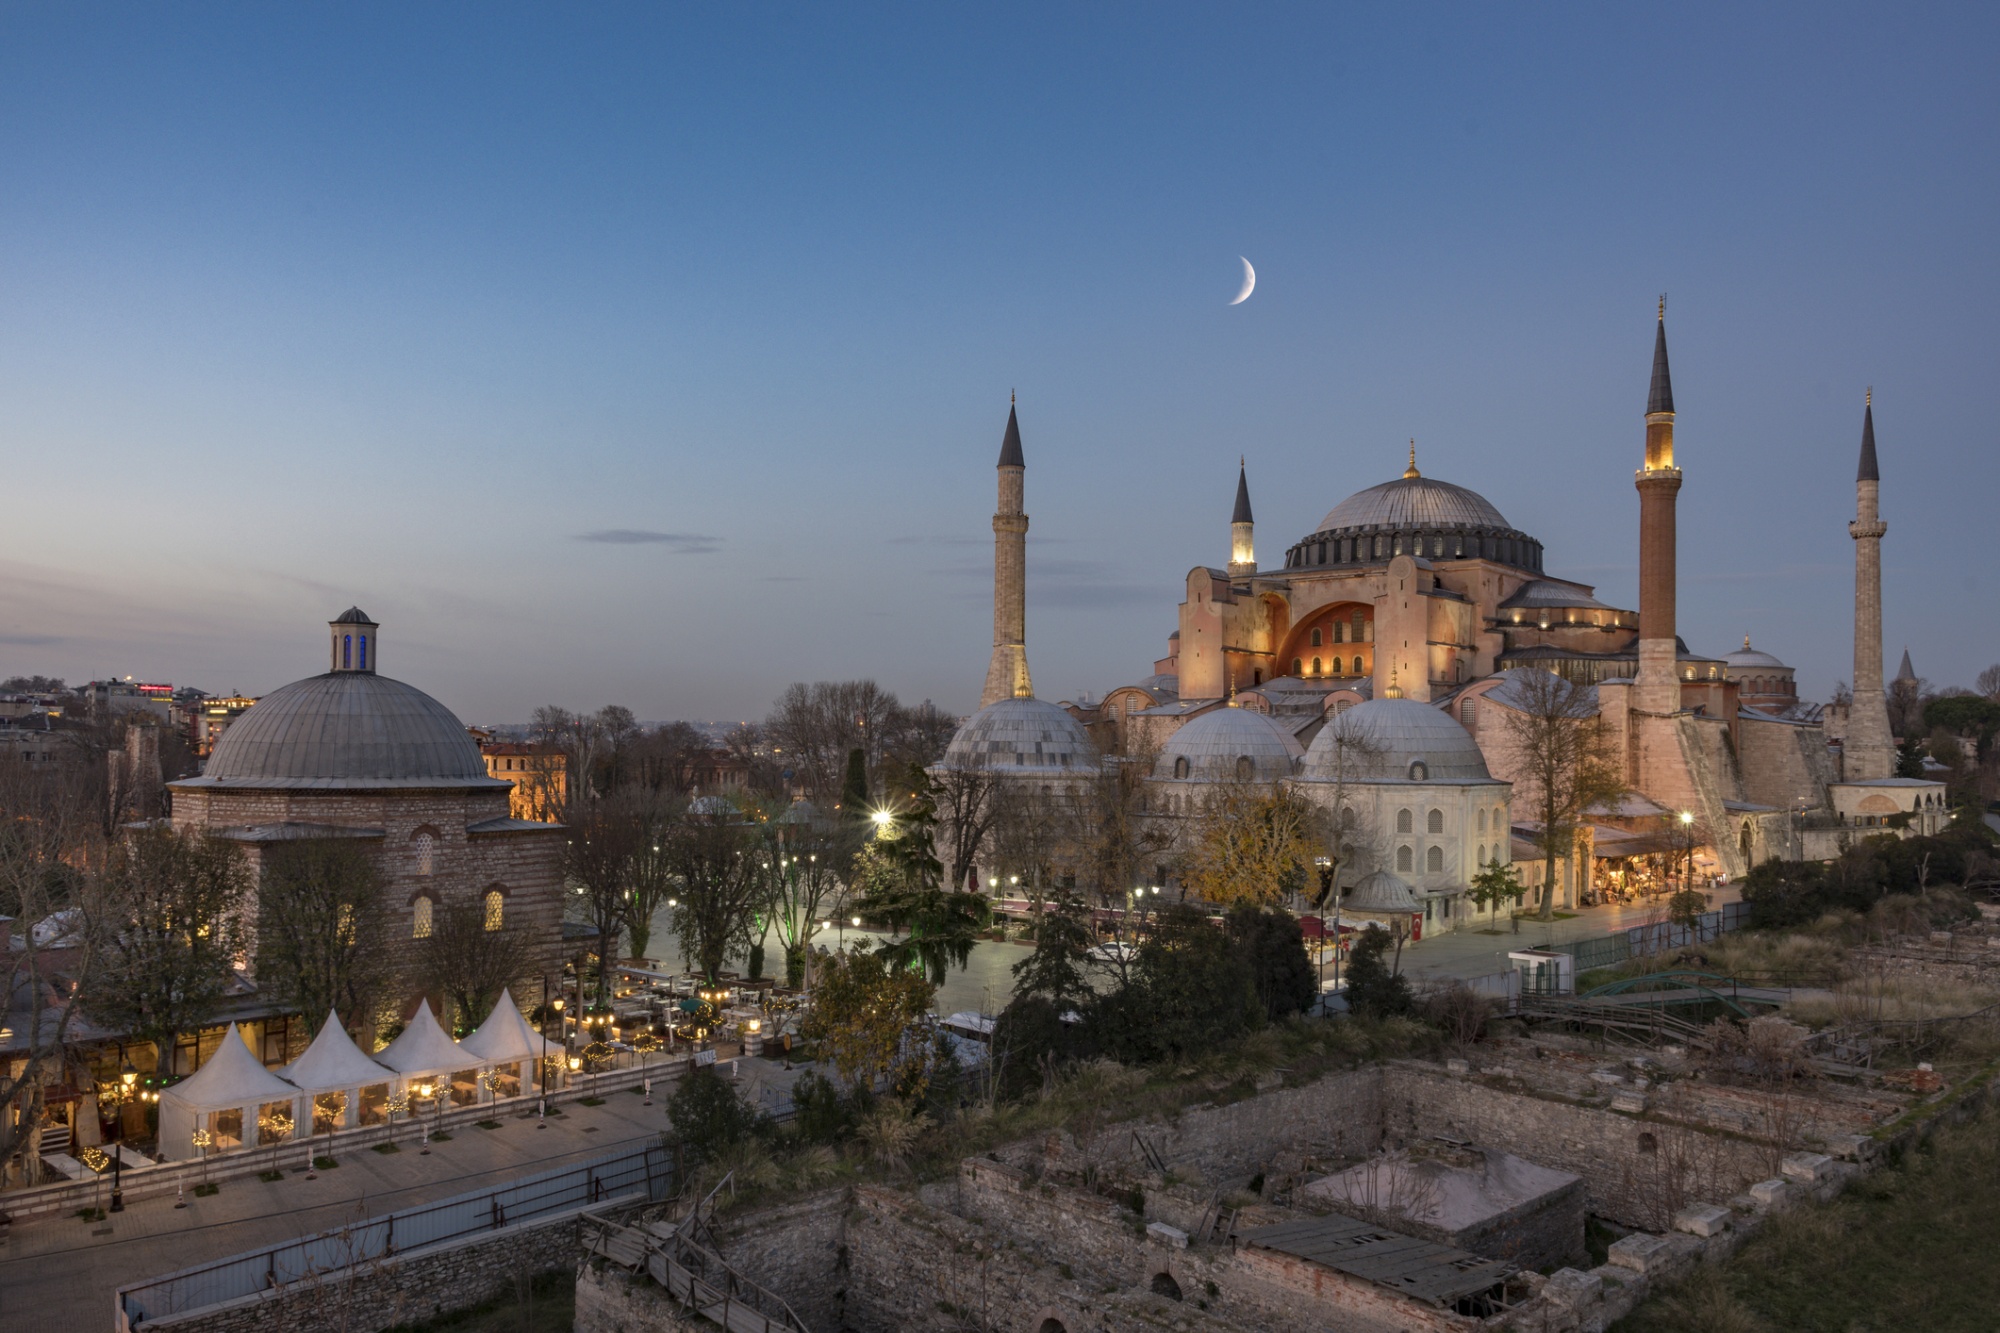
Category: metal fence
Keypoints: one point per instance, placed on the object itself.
(1653, 937)
(646, 1171)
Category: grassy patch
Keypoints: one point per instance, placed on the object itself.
(1895, 1251)
(271, 1177)
(206, 1191)
(91, 1214)
(542, 1304)
(590, 1101)
(325, 1163)
(441, 1136)
(386, 1148)
(487, 1124)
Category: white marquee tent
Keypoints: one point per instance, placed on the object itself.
(424, 1055)
(506, 1042)
(232, 1098)
(336, 1077)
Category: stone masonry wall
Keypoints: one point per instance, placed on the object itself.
(798, 1251)
(400, 1290)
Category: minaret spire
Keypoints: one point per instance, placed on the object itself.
(1007, 674)
(1410, 473)
(1867, 751)
(1657, 689)
(1242, 528)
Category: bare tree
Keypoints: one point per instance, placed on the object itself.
(604, 840)
(1037, 836)
(801, 857)
(1566, 764)
(967, 809)
(1352, 837)
(51, 853)
(322, 934)
(470, 964)
(722, 884)
(1988, 683)
(174, 906)
(1121, 842)
(812, 728)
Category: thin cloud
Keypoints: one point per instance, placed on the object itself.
(29, 640)
(680, 543)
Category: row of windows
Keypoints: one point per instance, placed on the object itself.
(1362, 628)
(1349, 550)
(1319, 667)
(347, 646)
(421, 913)
(1434, 819)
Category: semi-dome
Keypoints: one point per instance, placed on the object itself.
(1021, 736)
(1229, 744)
(1414, 502)
(346, 729)
(1394, 740)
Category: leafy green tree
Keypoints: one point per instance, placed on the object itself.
(707, 1116)
(1058, 966)
(1910, 756)
(854, 800)
(175, 903)
(1966, 715)
(322, 932)
(1030, 1037)
(1275, 949)
(909, 894)
(861, 1009)
(1190, 991)
(1374, 988)
(1685, 908)
(1495, 884)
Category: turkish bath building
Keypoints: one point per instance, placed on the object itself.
(1376, 665)
(355, 755)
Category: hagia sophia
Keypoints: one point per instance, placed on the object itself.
(1402, 631)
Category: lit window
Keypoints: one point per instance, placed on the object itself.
(364, 652)
(1298, 667)
(346, 651)
(1316, 668)
(420, 919)
(425, 847)
(496, 909)
(1357, 666)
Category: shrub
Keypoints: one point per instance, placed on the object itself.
(1275, 950)
(1373, 991)
(707, 1115)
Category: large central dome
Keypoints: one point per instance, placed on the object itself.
(346, 730)
(1414, 502)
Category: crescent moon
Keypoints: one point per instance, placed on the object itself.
(1249, 283)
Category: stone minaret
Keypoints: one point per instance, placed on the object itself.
(1657, 689)
(1867, 752)
(1242, 549)
(1007, 674)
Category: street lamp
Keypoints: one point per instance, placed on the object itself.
(1687, 830)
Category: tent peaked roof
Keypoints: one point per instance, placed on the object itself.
(505, 1036)
(424, 1048)
(230, 1077)
(333, 1063)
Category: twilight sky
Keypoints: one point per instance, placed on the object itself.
(660, 354)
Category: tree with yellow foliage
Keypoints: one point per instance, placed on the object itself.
(1255, 844)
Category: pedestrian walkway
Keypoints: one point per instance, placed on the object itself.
(58, 1275)
(1467, 952)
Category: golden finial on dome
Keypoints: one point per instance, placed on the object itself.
(1411, 472)
(1746, 643)
(1394, 691)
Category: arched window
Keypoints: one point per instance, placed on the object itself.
(420, 919)
(1245, 770)
(1164, 1285)
(1339, 632)
(1468, 714)
(1298, 667)
(1434, 822)
(1316, 670)
(346, 651)
(1482, 856)
(1482, 823)
(1403, 858)
(1403, 824)
(1419, 772)
(1347, 816)
(1181, 767)
(424, 848)
(1315, 636)
(1434, 860)
(496, 909)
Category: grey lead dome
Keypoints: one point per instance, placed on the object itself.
(1381, 741)
(1414, 502)
(346, 729)
(1021, 736)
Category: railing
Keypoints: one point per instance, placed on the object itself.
(646, 1171)
(1653, 937)
(685, 1260)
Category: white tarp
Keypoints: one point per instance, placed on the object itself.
(232, 1079)
(423, 1050)
(334, 1064)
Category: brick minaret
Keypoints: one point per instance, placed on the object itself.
(1657, 689)
(1007, 674)
(1242, 547)
(1867, 752)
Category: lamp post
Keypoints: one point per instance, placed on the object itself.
(127, 1078)
(1687, 832)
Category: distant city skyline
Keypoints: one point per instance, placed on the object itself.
(661, 358)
